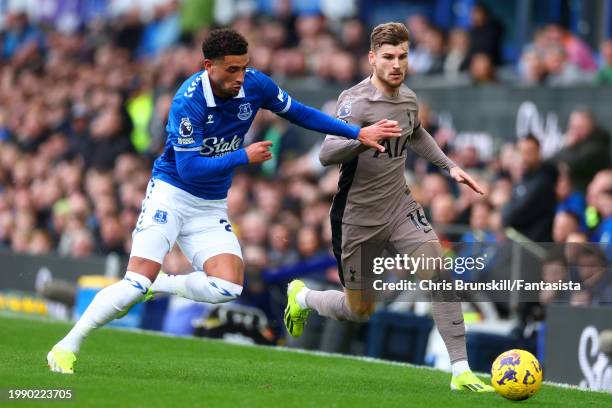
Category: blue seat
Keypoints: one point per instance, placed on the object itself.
(398, 336)
(483, 348)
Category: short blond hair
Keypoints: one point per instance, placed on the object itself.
(388, 33)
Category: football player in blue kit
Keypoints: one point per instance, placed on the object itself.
(186, 201)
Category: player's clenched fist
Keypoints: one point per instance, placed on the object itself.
(259, 152)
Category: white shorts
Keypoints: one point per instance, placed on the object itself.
(199, 226)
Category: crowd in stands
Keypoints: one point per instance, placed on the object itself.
(82, 117)
(328, 42)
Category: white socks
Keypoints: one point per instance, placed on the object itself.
(120, 296)
(459, 367)
(106, 305)
(300, 298)
(197, 286)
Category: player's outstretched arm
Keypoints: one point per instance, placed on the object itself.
(281, 103)
(425, 146)
(312, 119)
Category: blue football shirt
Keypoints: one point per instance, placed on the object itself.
(200, 121)
(206, 133)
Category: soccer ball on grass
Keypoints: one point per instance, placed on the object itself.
(516, 374)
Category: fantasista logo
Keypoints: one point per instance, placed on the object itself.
(214, 146)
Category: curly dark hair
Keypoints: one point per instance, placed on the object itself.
(222, 42)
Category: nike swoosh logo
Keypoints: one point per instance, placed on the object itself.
(427, 230)
(458, 322)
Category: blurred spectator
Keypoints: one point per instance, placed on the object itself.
(435, 42)
(112, 235)
(128, 30)
(21, 40)
(554, 269)
(456, 59)
(343, 69)
(437, 185)
(568, 198)
(163, 31)
(532, 206)
(419, 59)
(309, 243)
(531, 64)
(354, 38)
(109, 139)
(480, 223)
(40, 243)
(574, 244)
(533, 71)
(443, 216)
(282, 250)
(595, 276)
(485, 35)
(196, 14)
(256, 293)
(482, 69)
(564, 224)
(480, 239)
(580, 298)
(253, 228)
(560, 71)
(586, 148)
(599, 195)
(604, 75)
(578, 53)
(81, 244)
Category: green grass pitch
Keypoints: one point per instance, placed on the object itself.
(126, 369)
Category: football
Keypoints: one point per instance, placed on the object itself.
(516, 375)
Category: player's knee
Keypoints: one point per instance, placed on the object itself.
(432, 261)
(361, 311)
(227, 267)
(431, 273)
(211, 289)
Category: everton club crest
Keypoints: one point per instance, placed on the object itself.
(244, 111)
(160, 217)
